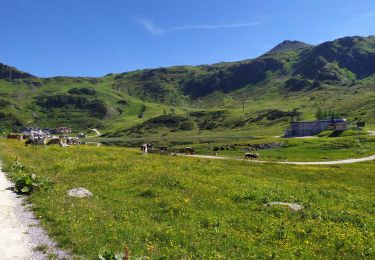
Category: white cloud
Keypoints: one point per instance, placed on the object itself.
(154, 29)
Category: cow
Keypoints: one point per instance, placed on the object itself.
(31, 141)
(37, 141)
(145, 148)
(15, 136)
(73, 141)
(163, 149)
(189, 150)
(251, 156)
(54, 141)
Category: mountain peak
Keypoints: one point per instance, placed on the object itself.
(288, 45)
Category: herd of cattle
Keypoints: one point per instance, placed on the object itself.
(148, 148)
(34, 140)
(65, 141)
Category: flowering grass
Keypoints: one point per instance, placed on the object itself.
(174, 207)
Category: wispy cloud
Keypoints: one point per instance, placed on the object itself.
(154, 29)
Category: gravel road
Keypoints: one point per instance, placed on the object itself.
(346, 161)
(21, 237)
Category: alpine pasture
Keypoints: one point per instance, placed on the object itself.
(163, 207)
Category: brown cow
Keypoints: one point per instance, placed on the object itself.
(189, 150)
(15, 136)
(54, 141)
(251, 156)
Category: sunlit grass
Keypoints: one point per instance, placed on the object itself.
(173, 207)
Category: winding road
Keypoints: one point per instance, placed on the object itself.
(344, 161)
(96, 131)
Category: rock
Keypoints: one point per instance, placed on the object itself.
(79, 193)
(292, 206)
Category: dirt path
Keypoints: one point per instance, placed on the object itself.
(20, 234)
(345, 161)
(96, 131)
(371, 133)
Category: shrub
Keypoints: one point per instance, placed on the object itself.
(82, 91)
(28, 183)
(111, 256)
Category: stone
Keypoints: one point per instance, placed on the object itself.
(292, 206)
(79, 193)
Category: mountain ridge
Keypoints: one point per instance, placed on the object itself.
(250, 94)
(289, 45)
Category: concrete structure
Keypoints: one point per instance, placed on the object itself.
(305, 128)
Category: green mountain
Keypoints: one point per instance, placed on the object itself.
(250, 97)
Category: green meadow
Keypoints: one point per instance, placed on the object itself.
(292, 149)
(170, 207)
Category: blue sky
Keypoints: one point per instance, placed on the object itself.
(95, 37)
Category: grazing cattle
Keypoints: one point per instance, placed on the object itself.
(73, 141)
(54, 141)
(163, 149)
(189, 150)
(145, 148)
(31, 141)
(15, 136)
(251, 156)
(63, 143)
(37, 141)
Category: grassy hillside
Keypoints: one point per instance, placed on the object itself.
(244, 98)
(175, 207)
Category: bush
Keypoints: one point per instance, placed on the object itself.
(111, 256)
(28, 183)
(82, 91)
